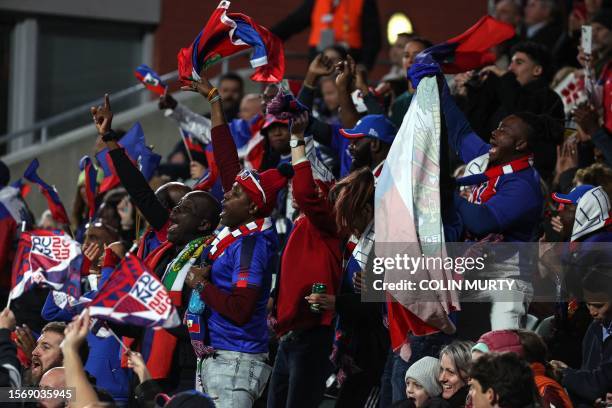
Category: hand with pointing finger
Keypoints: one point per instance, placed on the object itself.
(103, 116)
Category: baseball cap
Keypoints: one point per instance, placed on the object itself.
(270, 120)
(573, 196)
(375, 126)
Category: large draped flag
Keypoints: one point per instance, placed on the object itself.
(408, 219)
(134, 295)
(135, 147)
(150, 79)
(91, 183)
(226, 34)
(47, 258)
(472, 49)
(58, 212)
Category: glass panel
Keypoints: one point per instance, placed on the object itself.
(79, 61)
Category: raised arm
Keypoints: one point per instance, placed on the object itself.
(461, 137)
(224, 147)
(344, 82)
(311, 203)
(197, 125)
(131, 178)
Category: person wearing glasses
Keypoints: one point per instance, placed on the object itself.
(232, 337)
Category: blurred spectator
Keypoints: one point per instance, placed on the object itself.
(524, 88)
(396, 55)
(541, 22)
(502, 381)
(336, 22)
(590, 383)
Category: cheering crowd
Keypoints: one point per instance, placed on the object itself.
(258, 226)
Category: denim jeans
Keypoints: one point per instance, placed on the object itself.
(301, 367)
(234, 379)
(421, 346)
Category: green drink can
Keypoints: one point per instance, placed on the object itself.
(317, 288)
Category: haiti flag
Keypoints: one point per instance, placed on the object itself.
(58, 211)
(135, 147)
(150, 79)
(226, 34)
(472, 49)
(47, 258)
(134, 295)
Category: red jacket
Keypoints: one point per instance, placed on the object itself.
(313, 255)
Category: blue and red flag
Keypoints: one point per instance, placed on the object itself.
(150, 79)
(472, 49)
(191, 143)
(135, 147)
(134, 295)
(58, 211)
(91, 183)
(47, 258)
(226, 34)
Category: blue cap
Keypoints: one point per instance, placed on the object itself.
(573, 196)
(375, 126)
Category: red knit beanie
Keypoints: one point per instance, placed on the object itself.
(263, 188)
(500, 341)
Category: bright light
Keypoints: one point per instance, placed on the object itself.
(398, 23)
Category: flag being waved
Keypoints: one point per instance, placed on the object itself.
(226, 34)
(58, 212)
(135, 147)
(134, 295)
(150, 79)
(472, 49)
(91, 184)
(47, 258)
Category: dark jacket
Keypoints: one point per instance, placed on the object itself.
(499, 97)
(548, 35)
(10, 369)
(595, 374)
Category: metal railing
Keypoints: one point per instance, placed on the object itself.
(42, 127)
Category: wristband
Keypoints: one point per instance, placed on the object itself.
(215, 99)
(109, 136)
(211, 92)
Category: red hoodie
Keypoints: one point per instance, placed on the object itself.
(313, 254)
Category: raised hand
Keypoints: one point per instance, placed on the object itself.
(203, 86)
(136, 362)
(320, 66)
(345, 78)
(299, 125)
(7, 319)
(76, 332)
(103, 116)
(25, 340)
(167, 102)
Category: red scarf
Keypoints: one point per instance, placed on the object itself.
(486, 182)
(227, 237)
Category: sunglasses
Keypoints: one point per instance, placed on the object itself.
(248, 174)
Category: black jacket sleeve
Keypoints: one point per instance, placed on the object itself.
(10, 368)
(321, 131)
(295, 22)
(139, 190)
(588, 385)
(603, 141)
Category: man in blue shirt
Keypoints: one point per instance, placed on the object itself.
(505, 204)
